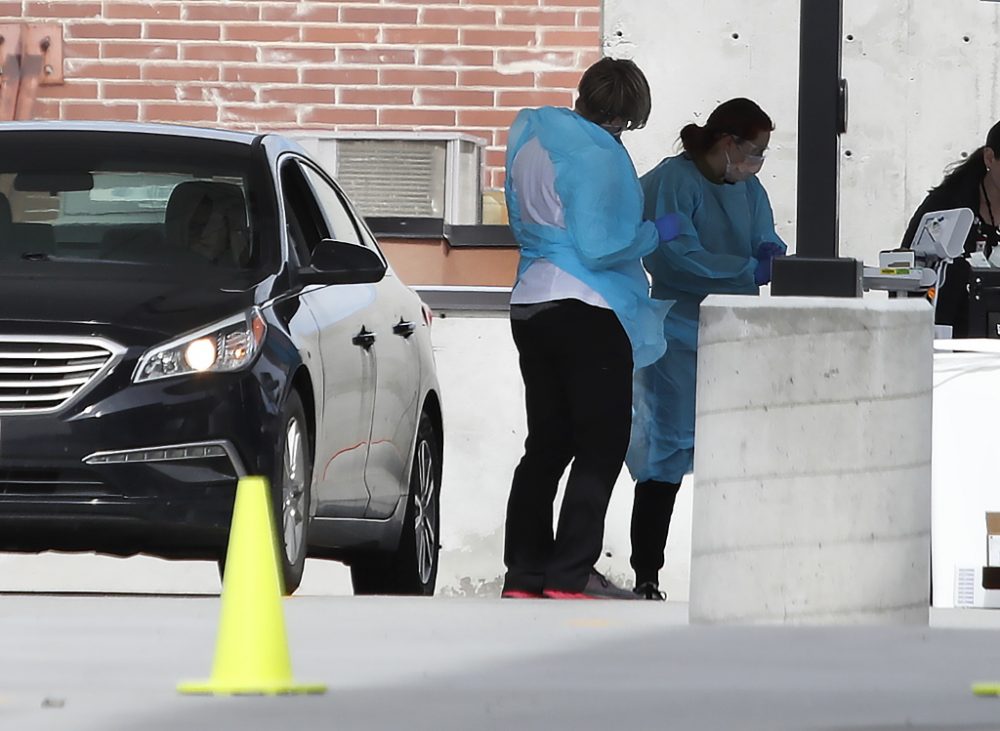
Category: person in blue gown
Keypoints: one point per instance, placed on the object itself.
(582, 318)
(725, 245)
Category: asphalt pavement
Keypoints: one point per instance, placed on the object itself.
(89, 661)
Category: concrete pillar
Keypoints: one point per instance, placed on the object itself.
(812, 461)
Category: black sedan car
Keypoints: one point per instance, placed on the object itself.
(180, 307)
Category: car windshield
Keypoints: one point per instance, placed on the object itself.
(126, 198)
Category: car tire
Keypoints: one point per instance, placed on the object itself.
(412, 568)
(290, 494)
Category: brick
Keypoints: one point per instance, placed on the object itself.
(72, 90)
(379, 14)
(45, 108)
(337, 115)
(180, 112)
(486, 117)
(81, 49)
(417, 77)
(218, 94)
(142, 11)
(301, 12)
(575, 38)
(259, 114)
(139, 91)
(455, 57)
(375, 56)
(417, 117)
(497, 178)
(260, 74)
(297, 54)
(227, 12)
(323, 75)
(14, 10)
(180, 72)
(559, 79)
(539, 17)
(99, 70)
(92, 112)
(339, 34)
(490, 78)
(453, 98)
(566, 59)
(219, 52)
(569, 3)
(182, 31)
(588, 19)
(111, 31)
(586, 58)
(138, 49)
(534, 98)
(495, 157)
(421, 35)
(493, 37)
(297, 95)
(57, 10)
(503, 3)
(375, 96)
(458, 16)
(260, 32)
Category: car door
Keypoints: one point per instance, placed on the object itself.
(344, 316)
(396, 317)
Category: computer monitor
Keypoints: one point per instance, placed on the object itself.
(941, 235)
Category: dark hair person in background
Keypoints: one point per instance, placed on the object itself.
(581, 315)
(975, 184)
(726, 244)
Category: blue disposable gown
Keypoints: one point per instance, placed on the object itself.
(605, 237)
(721, 228)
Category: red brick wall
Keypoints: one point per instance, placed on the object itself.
(354, 64)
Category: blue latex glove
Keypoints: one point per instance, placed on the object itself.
(669, 226)
(765, 258)
(770, 250)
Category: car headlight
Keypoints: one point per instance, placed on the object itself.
(219, 348)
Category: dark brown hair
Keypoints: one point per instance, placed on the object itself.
(737, 117)
(614, 88)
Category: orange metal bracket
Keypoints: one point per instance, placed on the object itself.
(31, 55)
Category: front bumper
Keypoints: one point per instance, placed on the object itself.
(132, 468)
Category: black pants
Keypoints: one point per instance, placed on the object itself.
(651, 510)
(576, 361)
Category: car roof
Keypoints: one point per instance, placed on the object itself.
(141, 128)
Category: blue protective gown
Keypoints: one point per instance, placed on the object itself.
(721, 228)
(605, 236)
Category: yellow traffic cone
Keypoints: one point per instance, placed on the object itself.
(251, 652)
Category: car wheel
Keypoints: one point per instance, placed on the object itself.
(412, 568)
(290, 493)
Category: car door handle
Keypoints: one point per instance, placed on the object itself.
(365, 338)
(404, 328)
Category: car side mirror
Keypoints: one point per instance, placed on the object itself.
(338, 262)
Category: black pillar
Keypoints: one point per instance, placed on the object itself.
(816, 268)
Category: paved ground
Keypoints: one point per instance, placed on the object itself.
(89, 662)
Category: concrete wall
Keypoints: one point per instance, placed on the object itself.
(923, 81)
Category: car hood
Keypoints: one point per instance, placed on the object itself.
(135, 298)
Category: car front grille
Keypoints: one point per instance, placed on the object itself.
(40, 374)
(51, 483)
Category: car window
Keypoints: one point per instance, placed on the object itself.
(136, 199)
(339, 221)
(304, 223)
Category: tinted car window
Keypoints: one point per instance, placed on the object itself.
(339, 222)
(139, 199)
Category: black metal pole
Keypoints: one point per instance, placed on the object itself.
(817, 269)
(817, 225)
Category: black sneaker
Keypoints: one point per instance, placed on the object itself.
(650, 590)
